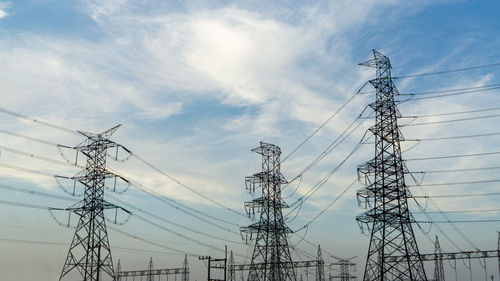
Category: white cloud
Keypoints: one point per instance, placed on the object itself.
(3, 7)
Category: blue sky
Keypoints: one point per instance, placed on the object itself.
(196, 85)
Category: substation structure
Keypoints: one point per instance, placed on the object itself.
(151, 274)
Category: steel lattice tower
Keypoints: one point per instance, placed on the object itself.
(438, 263)
(151, 268)
(230, 268)
(90, 254)
(320, 266)
(389, 218)
(344, 266)
(271, 252)
(185, 269)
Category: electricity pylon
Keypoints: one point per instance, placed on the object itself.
(90, 254)
(344, 266)
(271, 253)
(389, 218)
(438, 263)
(185, 269)
(230, 268)
(320, 266)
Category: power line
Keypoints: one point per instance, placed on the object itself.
(452, 90)
(185, 186)
(459, 195)
(25, 205)
(462, 211)
(181, 207)
(457, 183)
(172, 222)
(458, 170)
(150, 242)
(33, 139)
(328, 206)
(324, 180)
(39, 193)
(461, 221)
(21, 169)
(456, 137)
(22, 241)
(436, 206)
(37, 121)
(412, 97)
(453, 156)
(35, 156)
(177, 233)
(453, 113)
(324, 123)
(336, 142)
(135, 183)
(451, 121)
(449, 71)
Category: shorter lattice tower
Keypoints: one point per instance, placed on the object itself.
(438, 262)
(185, 269)
(271, 253)
(151, 269)
(90, 254)
(230, 268)
(320, 266)
(344, 267)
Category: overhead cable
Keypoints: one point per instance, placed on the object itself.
(448, 71)
(324, 123)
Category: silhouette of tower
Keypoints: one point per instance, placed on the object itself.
(438, 262)
(90, 254)
(389, 218)
(271, 258)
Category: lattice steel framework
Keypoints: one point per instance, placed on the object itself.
(320, 265)
(344, 267)
(231, 276)
(90, 254)
(185, 269)
(271, 252)
(386, 193)
(438, 263)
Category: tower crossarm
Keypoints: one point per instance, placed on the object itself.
(156, 272)
(448, 256)
(296, 264)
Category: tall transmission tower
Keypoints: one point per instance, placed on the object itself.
(271, 253)
(438, 263)
(90, 254)
(389, 218)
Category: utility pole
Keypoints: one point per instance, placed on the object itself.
(90, 254)
(271, 253)
(389, 218)
(216, 264)
(438, 263)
